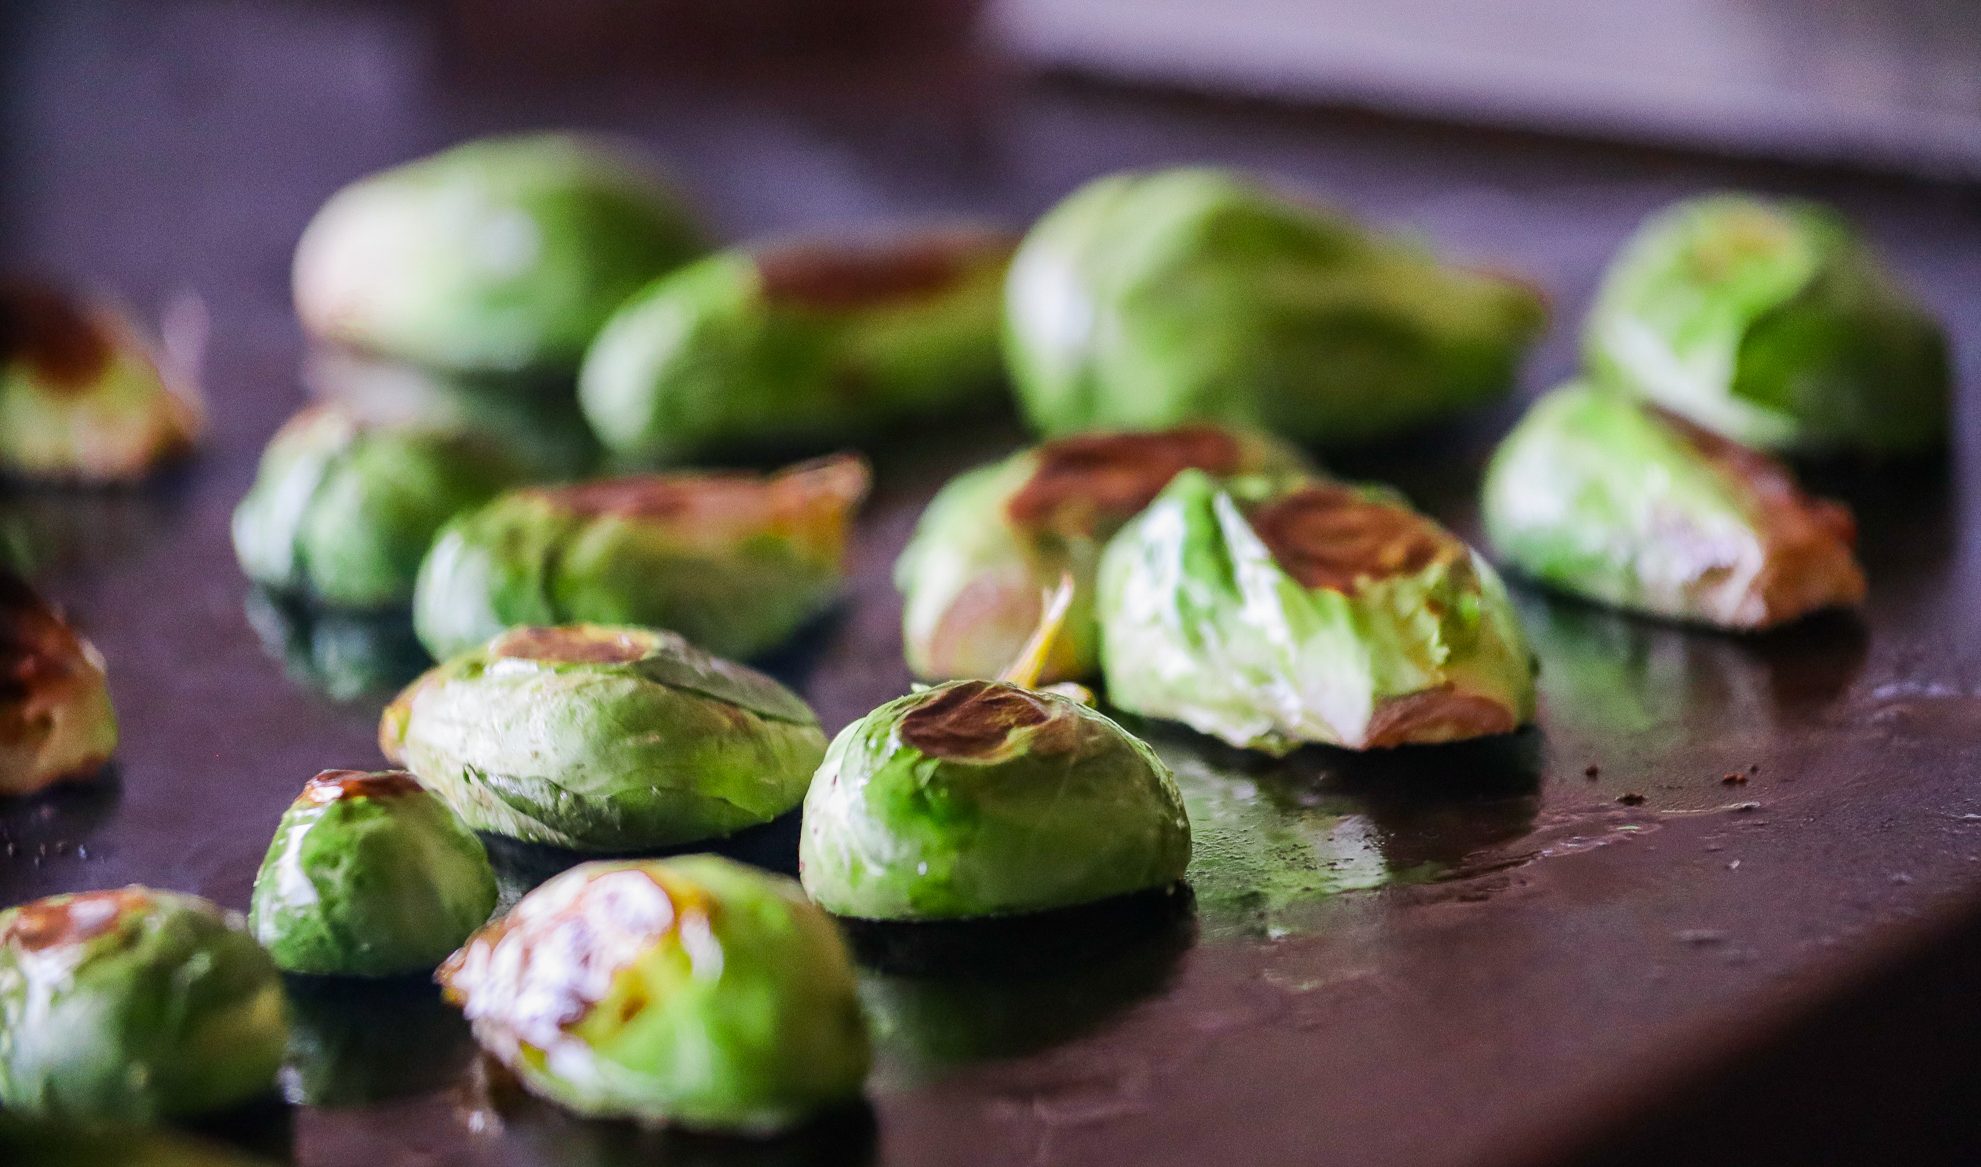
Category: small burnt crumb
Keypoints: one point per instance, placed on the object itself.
(53, 334)
(1591, 770)
(1733, 778)
(1755, 768)
(1630, 798)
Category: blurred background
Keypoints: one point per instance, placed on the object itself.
(165, 147)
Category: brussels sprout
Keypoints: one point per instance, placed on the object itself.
(343, 509)
(56, 723)
(695, 991)
(1623, 503)
(83, 398)
(503, 255)
(370, 876)
(1272, 612)
(1144, 300)
(1774, 324)
(734, 562)
(804, 344)
(985, 798)
(998, 536)
(604, 739)
(134, 1004)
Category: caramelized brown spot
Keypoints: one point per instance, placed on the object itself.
(1334, 537)
(971, 719)
(1442, 714)
(1808, 539)
(570, 955)
(70, 919)
(571, 645)
(37, 650)
(338, 785)
(826, 276)
(53, 334)
(1089, 484)
(656, 496)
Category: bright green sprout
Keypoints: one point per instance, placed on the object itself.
(604, 739)
(371, 876)
(1271, 612)
(1605, 497)
(798, 347)
(996, 537)
(134, 1005)
(735, 562)
(694, 992)
(501, 256)
(1773, 323)
(1146, 300)
(343, 509)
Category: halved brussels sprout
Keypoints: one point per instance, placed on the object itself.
(1774, 324)
(604, 739)
(995, 538)
(369, 875)
(734, 562)
(804, 344)
(986, 798)
(502, 255)
(1621, 502)
(343, 510)
(1273, 612)
(83, 397)
(1145, 300)
(134, 1004)
(696, 992)
(56, 723)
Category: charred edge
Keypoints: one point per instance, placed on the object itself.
(1085, 483)
(830, 276)
(571, 646)
(569, 938)
(648, 496)
(36, 647)
(342, 785)
(970, 719)
(1767, 479)
(1435, 715)
(70, 919)
(52, 334)
(1333, 537)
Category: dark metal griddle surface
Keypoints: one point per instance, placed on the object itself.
(1513, 958)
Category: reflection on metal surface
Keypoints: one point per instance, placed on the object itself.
(345, 655)
(46, 529)
(492, 1103)
(1006, 988)
(1274, 839)
(1606, 673)
(357, 1042)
